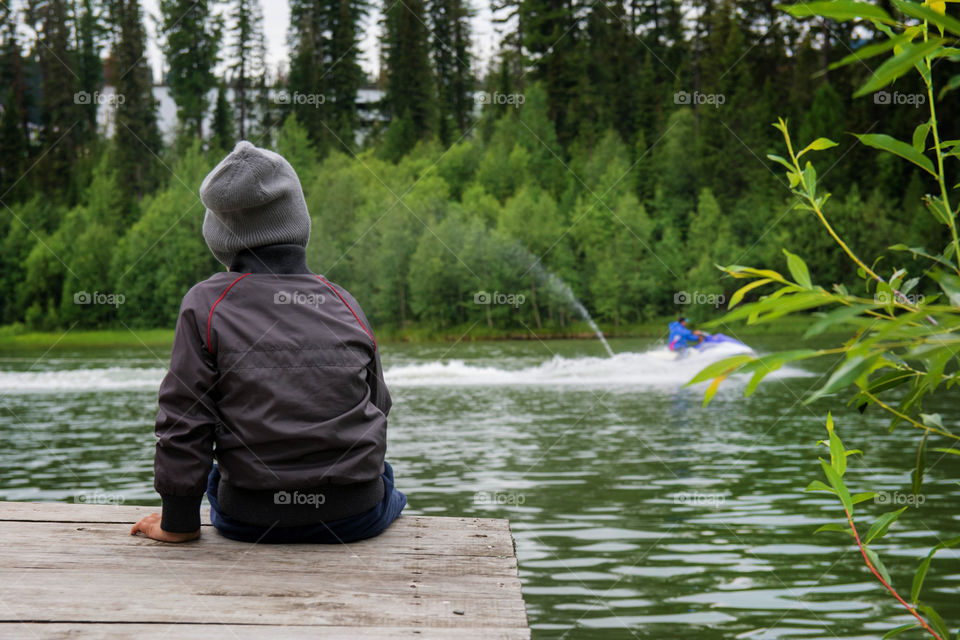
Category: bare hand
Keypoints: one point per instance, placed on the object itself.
(150, 527)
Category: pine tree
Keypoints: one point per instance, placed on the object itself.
(191, 40)
(342, 67)
(307, 77)
(612, 70)
(221, 127)
(60, 114)
(450, 41)
(136, 140)
(409, 95)
(14, 143)
(90, 33)
(248, 52)
(552, 36)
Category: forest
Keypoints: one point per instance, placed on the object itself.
(617, 147)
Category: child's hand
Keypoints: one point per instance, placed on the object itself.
(150, 527)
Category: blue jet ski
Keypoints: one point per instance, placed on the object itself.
(682, 340)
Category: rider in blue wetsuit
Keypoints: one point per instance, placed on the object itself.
(681, 337)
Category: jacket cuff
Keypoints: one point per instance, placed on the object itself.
(181, 514)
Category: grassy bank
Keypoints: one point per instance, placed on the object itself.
(15, 336)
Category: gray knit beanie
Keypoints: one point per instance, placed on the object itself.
(253, 198)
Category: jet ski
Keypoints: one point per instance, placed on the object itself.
(682, 343)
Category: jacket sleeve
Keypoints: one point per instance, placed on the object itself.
(185, 426)
(379, 394)
(378, 387)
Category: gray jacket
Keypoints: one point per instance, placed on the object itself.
(275, 371)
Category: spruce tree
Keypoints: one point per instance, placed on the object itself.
(450, 41)
(248, 58)
(136, 138)
(221, 127)
(307, 83)
(60, 97)
(191, 41)
(410, 92)
(342, 68)
(14, 142)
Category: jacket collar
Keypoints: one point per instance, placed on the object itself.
(275, 258)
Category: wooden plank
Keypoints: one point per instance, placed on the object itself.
(246, 632)
(418, 540)
(69, 512)
(69, 570)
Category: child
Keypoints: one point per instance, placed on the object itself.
(275, 372)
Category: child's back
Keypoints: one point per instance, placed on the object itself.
(276, 370)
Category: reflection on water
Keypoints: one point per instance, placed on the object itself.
(637, 512)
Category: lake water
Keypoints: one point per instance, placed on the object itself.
(637, 513)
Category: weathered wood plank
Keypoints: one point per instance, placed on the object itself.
(246, 632)
(404, 539)
(77, 572)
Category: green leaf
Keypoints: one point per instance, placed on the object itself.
(886, 143)
(880, 526)
(798, 269)
(917, 474)
(920, 136)
(742, 291)
(810, 179)
(817, 485)
(878, 564)
(833, 526)
(781, 160)
(840, 10)
(898, 630)
(863, 497)
(919, 577)
(721, 367)
(836, 316)
(838, 457)
(955, 452)
(935, 620)
(949, 85)
(942, 20)
(712, 389)
(837, 483)
(818, 145)
(921, 573)
(868, 51)
(845, 375)
(899, 64)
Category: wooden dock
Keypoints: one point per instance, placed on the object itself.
(73, 571)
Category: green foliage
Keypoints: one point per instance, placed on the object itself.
(903, 314)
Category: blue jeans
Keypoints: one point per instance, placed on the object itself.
(364, 525)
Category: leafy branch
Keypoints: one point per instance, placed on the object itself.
(906, 337)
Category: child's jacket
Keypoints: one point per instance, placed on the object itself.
(275, 371)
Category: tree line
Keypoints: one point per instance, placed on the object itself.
(618, 147)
